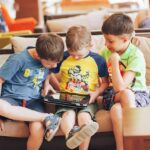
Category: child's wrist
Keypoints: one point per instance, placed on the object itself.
(0, 89)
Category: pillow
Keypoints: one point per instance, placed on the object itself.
(3, 58)
(20, 43)
(144, 46)
(92, 20)
(98, 42)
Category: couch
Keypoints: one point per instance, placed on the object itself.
(92, 19)
(16, 133)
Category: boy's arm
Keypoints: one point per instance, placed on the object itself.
(54, 81)
(103, 84)
(119, 82)
(1, 82)
(51, 84)
(1, 121)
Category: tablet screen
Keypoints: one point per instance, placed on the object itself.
(69, 96)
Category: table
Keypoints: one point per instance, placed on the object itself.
(136, 128)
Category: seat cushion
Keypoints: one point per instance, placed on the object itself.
(20, 129)
(92, 20)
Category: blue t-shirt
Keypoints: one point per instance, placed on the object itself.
(82, 75)
(23, 76)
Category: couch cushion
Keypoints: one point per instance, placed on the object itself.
(103, 118)
(20, 43)
(144, 46)
(20, 129)
(92, 20)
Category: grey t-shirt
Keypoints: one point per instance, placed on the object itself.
(23, 76)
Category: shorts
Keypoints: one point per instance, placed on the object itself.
(142, 98)
(91, 109)
(36, 105)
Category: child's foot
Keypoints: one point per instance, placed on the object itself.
(52, 123)
(78, 135)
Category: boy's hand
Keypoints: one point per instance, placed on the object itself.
(114, 57)
(46, 89)
(93, 96)
(1, 125)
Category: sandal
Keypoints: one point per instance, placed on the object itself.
(78, 135)
(54, 125)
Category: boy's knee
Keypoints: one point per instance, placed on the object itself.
(127, 98)
(3, 107)
(69, 113)
(126, 92)
(36, 129)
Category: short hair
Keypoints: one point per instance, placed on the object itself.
(118, 24)
(77, 38)
(50, 47)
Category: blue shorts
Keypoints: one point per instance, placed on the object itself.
(36, 105)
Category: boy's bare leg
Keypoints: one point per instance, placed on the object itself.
(125, 99)
(36, 136)
(1, 125)
(84, 118)
(116, 117)
(67, 122)
(20, 113)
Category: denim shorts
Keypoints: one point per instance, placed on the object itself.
(36, 105)
(91, 109)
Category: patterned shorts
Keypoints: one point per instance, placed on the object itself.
(142, 98)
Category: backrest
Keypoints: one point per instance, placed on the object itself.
(98, 41)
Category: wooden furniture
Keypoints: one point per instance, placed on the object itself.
(136, 129)
(27, 8)
(73, 5)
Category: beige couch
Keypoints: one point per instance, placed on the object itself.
(20, 129)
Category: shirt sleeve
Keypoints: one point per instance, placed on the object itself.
(136, 64)
(9, 68)
(102, 66)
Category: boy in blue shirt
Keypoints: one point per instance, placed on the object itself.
(22, 77)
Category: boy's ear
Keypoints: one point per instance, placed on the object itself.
(36, 55)
(125, 38)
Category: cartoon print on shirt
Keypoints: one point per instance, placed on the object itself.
(37, 76)
(77, 81)
(121, 68)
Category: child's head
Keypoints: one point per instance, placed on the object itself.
(118, 30)
(78, 41)
(50, 49)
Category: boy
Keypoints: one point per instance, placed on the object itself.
(126, 67)
(81, 72)
(21, 78)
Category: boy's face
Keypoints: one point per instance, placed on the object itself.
(79, 54)
(116, 43)
(48, 63)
